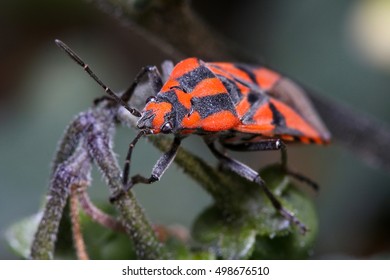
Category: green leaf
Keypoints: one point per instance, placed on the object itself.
(227, 238)
(251, 227)
(103, 243)
(20, 235)
(290, 244)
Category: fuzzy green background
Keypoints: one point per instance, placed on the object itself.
(313, 41)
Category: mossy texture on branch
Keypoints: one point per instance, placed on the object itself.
(91, 141)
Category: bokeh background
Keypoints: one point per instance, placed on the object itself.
(340, 48)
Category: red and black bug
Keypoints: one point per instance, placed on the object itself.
(241, 107)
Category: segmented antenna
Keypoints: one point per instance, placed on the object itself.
(87, 69)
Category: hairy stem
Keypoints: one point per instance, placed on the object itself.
(78, 239)
(74, 170)
(89, 138)
(133, 218)
(96, 214)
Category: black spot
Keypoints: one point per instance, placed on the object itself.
(212, 104)
(253, 97)
(189, 80)
(278, 118)
(150, 98)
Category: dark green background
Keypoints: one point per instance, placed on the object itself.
(41, 89)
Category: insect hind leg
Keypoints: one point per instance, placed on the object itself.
(253, 176)
(272, 145)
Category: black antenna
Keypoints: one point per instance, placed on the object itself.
(87, 69)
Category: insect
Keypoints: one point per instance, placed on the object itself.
(241, 107)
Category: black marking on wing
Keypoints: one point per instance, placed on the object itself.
(212, 104)
(278, 118)
(189, 80)
(260, 100)
(253, 97)
(232, 88)
(236, 79)
(248, 71)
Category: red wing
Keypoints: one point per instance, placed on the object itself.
(273, 118)
(272, 105)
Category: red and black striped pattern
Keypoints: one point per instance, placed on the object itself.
(238, 100)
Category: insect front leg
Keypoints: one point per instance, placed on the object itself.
(126, 168)
(272, 145)
(155, 81)
(158, 170)
(253, 176)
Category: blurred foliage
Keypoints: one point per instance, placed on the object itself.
(251, 228)
(370, 32)
(309, 40)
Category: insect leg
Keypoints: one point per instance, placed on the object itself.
(272, 145)
(154, 79)
(251, 175)
(167, 67)
(159, 168)
(126, 168)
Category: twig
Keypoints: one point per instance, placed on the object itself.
(78, 239)
(74, 170)
(99, 140)
(96, 214)
(89, 138)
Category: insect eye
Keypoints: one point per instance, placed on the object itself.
(167, 128)
(150, 99)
